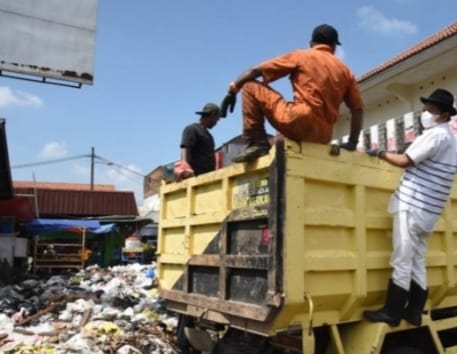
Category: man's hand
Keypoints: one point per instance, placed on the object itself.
(228, 102)
(182, 170)
(349, 146)
(375, 153)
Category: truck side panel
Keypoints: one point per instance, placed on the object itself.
(338, 239)
(258, 245)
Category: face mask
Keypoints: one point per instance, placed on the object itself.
(428, 120)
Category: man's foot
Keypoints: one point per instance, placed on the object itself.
(252, 152)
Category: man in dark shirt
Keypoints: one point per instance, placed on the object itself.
(197, 144)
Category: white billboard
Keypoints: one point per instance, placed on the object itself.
(52, 39)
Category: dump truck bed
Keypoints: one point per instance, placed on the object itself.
(262, 246)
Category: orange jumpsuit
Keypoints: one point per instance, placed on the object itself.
(320, 83)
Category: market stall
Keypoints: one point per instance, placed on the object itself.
(60, 243)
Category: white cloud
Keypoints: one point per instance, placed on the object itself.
(81, 171)
(10, 98)
(53, 150)
(374, 20)
(121, 178)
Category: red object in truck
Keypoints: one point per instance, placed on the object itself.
(219, 159)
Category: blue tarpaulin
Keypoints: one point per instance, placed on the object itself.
(49, 225)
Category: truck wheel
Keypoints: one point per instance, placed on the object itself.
(182, 342)
(238, 342)
(221, 348)
(403, 350)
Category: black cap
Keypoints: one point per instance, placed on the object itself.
(208, 109)
(443, 99)
(325, 34)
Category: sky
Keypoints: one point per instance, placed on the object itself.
(157, 62)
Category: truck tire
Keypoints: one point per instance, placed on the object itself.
(403, 350)
(222, 348)
(183, 344)
(238, 342)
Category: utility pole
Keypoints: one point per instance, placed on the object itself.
(92, 164)
(35, 197)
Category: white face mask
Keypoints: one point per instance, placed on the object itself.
(428, 120)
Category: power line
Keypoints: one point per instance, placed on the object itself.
(120, 168)
(109, 162)
(128, 175)
(47, 162)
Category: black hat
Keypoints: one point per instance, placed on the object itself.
(443, 99)
(325, 34)
(209, 108)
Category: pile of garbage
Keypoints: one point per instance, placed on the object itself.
(97, 310)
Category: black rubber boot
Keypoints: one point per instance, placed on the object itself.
(393, 308)
(416, 304)
(253, 151)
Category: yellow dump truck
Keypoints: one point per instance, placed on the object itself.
(282, 255)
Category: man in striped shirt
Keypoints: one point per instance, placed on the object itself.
(430, 164)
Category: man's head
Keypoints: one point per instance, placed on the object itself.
(440, 104)
(209, 115)
(325, 34)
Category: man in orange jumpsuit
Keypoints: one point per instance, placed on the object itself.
(320, 83)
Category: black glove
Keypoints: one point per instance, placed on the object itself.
(228, 102)
(349, 146)
(375, 152)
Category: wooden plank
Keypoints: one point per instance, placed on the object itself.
(77, 266)
(254, 312)
(205, 260)
(61, 255)
(58, 260)
(247, 262)
(59, 244)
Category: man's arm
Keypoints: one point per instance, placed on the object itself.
(229, 101)
(185, 154)
(354, 102)
(398, 160)
(356, 124)
(271, 70)
(249, 75)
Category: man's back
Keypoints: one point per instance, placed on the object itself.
(318, 78)
(201, 144)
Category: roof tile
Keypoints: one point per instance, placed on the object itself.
(449, 31)
(63, 185)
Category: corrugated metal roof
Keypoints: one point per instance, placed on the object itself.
(442, 35)
(82, 203)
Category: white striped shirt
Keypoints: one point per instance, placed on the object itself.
(425, 187)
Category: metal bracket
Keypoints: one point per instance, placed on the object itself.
(308, 340)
